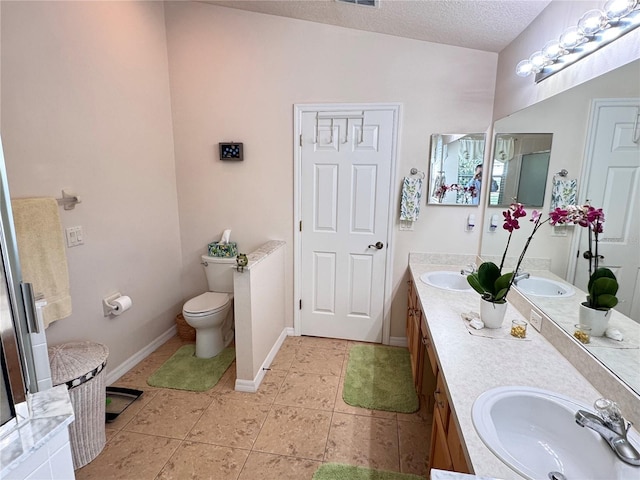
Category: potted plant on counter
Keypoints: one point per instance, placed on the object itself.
(594, 313)
(489, 281)
(603, 285)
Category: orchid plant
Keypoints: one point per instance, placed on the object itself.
(603, 284)
(493, 285)
(467, 192)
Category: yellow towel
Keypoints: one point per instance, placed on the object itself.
(42, 254)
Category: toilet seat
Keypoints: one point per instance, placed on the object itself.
(206, 304)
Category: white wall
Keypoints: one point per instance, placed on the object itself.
(236, 75)
(85, 107)
(514, 93)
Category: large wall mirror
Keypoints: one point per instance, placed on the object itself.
(455, 168)
(557, 252)
(519, 168)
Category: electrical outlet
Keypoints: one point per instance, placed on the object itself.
(535, 320)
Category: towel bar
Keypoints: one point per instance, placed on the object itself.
(68, 200)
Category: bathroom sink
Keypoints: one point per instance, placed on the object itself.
(544, 287)
(534, 432)
(446, 280)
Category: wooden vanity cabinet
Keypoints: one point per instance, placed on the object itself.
(446, 448)
(423, 362)
(439, 456)
(446, 452)
(455, 448)
(414, 319)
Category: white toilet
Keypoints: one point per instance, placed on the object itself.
(211, 314)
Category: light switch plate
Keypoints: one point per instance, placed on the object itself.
(74, 236)
(406, 225)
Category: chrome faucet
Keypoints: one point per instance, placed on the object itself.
(469, 269)
(612, 427)
(520, 276)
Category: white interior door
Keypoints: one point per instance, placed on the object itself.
(345, 167)
(612, 183)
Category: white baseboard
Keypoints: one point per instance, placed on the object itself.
(128, 364)
(251, 386)
(398, 341)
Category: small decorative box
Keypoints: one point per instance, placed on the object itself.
(217, 249)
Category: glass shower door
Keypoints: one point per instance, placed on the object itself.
(16, 358)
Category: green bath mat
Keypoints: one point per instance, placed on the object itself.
(185, 371)
(337, 471)
(379, 378)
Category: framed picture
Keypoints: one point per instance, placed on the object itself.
(231, 151)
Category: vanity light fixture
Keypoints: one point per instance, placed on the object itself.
(596, 28)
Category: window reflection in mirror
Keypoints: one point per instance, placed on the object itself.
(520, 168)
(455, 168)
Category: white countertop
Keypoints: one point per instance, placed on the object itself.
(472, 364)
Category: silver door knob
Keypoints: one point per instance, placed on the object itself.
(378, 245)
(588, 255)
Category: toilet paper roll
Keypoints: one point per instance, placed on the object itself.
(121, 305)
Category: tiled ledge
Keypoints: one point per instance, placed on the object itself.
(263, 252)
(41, 418)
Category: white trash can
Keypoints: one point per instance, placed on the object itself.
(80, 365)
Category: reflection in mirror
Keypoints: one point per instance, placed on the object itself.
(520, 167)
(455, 168)
(552, 253)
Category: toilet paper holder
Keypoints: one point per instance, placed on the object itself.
(108, 307)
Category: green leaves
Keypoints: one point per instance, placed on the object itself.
(489, 283)
(603, 287)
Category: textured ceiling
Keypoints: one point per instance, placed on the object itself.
(488, 25)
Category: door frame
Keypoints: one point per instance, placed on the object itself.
(299, 109)
(590, 139)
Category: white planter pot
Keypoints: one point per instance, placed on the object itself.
(598, 320)
(492, 314)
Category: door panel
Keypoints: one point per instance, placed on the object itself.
(360, 275)
(324, 282)
(326, 198)
(364, 198)
(613, 181)
(345, 175)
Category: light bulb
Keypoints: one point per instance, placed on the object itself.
(552, 50)
(524, 68)
(571, 38)
(592, 22)
(616, 9)
(538, 61)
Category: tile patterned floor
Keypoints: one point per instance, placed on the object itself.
(296, 421)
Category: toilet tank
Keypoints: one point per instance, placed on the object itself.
(219, 272)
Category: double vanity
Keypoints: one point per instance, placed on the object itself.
(493, 398)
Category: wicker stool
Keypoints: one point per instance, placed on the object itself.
(80, 365)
